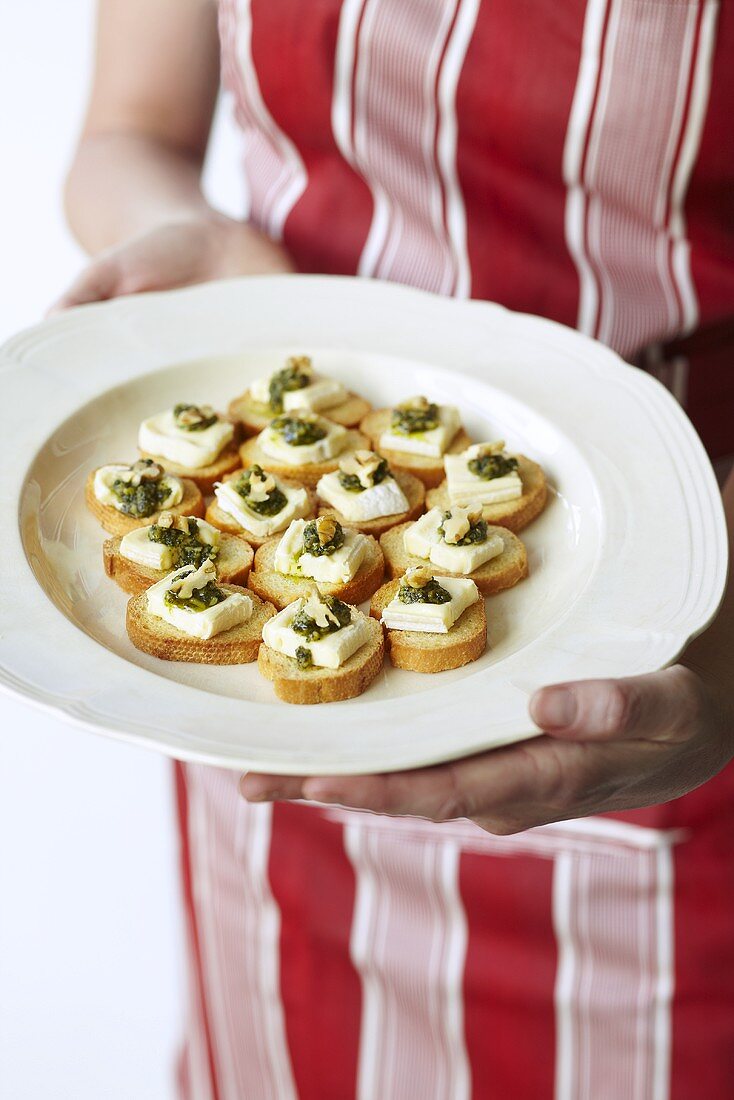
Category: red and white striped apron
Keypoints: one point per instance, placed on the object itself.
(572, 158)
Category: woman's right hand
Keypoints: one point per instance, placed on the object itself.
(177, 254)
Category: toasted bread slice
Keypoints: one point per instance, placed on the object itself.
(282, 590)
(324, 685)
(119, 523)
(237, 646)
(203, 476)
(421, 652)
(513, 514)
(415, 494)
(308, 474)
(498, 573)
(253, 417)
(429, 470)
(224, 522)
(233, 564)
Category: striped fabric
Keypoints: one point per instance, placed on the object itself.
(571, 158)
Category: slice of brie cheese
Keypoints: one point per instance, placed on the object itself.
(235, 609)
(465, 488)
(424, 540)
(330, 651)
(433, 443)
(432, 618)
(384, 499)
(333, 443)
(321, 393)
(137, 547)
(230, 501)
(159, 435)
(105, 477)
(336, 568)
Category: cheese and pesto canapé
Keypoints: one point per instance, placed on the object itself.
(302, 437)
(419, 426)
(483, 474)
(139, 490)
(191, 600)
(363, 488)
(320, 549)
(317, 631)
(296, 386)
(427, 604)
(189, 435)
(456, 539)
(171, 542)
(260, 503)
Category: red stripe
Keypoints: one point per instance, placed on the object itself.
(313, 883)
(513, 102)
(326, 229)
(190, 915)
(509, 976)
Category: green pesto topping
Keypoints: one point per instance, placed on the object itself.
(186, 549)
(275, 502)
(304, 658)
(352, 483)
(477, 532)
(141, 500)
(296, 376)
(297, 432)
(304, 624)
(432, 592)
(199, 600)
(489, 467)
(413, 417)
(194, 418)
(312, 543)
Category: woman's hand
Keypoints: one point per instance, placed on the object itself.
(608, 745)
(176, 254)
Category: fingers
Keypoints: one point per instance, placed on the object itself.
(660, 706)
(260, 787)
(97, 283)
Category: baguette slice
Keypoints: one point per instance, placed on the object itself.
(119, 523)
(324, 685)
(237, 646)
(513, 514)
(224, 522)
(498, 573)
(417, 651)
(415, 494)
(310, 472)
(203, 476)
(233, 564)
(253, 417)
(281, 590)
(429, 470)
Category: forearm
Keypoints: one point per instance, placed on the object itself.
(122, 184)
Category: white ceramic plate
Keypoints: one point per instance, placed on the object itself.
(627, 563)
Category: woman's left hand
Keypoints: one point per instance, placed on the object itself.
(607, 745)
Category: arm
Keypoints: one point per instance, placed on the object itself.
(608, 745)
(133, 195)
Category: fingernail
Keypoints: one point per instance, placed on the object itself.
(554, 708)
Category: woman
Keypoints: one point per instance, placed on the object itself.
(562, 924)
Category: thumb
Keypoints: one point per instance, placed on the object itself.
(98, 282)
(661, 706)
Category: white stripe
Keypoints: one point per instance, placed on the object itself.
(408, 944)
(565, 976)
(239, 936)
(665, 976)
(686, 160)
(386, 128)
(275, 169)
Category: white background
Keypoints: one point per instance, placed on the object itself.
(91, 976)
